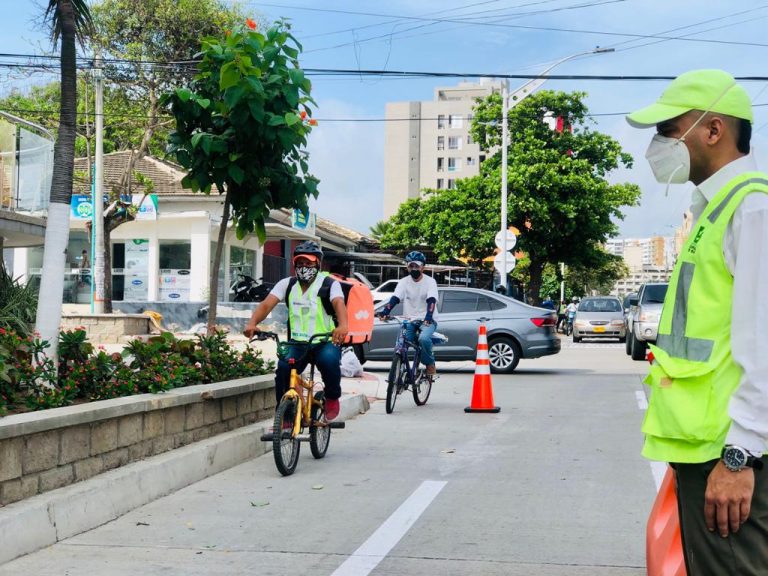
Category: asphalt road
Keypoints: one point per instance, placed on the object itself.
(552, 485)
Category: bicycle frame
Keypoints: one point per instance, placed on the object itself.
(402, 345)
(300, 389)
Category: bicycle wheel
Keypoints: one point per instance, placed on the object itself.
(421, 388)
(319, 436)
(285, 449)
(394, 382)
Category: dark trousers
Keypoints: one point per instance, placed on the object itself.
(327, 358)
(744, 553)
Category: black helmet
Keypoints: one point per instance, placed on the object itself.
(308, 248)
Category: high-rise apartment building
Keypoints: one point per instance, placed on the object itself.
(427, 144)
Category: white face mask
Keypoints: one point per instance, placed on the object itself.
(669, 159)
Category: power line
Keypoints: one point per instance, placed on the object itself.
(516, 26)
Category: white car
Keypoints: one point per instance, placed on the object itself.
(383, 292)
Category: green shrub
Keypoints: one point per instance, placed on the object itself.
(159, 364)
(18, 304)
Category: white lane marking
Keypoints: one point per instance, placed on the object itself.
(376, 548)
(642, 401)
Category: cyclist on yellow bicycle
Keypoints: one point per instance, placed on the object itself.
(315, 304)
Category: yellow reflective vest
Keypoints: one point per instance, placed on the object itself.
(306, 313)
(693, 374)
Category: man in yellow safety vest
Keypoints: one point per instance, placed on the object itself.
(708, 409)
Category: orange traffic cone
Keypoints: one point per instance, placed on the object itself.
(663, 542)
(482, 390)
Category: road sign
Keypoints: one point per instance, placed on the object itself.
(511, 240)
(498, 262)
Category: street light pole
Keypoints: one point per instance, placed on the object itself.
(517, 96)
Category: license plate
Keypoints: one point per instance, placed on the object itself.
(599, 329)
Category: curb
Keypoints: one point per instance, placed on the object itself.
(48, 518)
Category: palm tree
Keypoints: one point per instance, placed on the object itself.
(71, 22)
(379, 229)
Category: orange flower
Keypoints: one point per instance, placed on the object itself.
(313, 122)
(250, 23)
(303, 114)
(227, 33)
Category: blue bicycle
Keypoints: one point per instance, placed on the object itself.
(402, 373)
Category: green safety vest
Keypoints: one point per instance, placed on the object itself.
(693, 374)
(306, 314)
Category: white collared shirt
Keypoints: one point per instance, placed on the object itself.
(745, 247)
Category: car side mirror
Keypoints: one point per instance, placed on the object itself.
(633, 301)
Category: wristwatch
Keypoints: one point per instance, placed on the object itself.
(737, 458)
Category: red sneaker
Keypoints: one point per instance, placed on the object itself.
(331, 408)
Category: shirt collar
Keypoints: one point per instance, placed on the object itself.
(712, 185)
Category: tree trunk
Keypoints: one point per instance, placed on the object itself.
(57, 226)
(535, 271)
(213, 289)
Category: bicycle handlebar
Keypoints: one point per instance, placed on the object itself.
(261, 336)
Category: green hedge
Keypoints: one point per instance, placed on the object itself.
(28, 378)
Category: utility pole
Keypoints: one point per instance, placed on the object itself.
(97, 280)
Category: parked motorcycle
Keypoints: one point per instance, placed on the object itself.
(247, 289)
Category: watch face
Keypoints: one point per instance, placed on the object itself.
(734, 458)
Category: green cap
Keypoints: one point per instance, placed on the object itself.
(712, 90)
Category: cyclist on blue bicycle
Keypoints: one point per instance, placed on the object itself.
(315, 304)
(418, 293)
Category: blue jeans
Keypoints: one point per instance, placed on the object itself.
(327, 358)
(425, 339)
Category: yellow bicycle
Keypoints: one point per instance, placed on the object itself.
(299, 410)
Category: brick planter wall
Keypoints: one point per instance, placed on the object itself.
(45, 450)
(107, 328)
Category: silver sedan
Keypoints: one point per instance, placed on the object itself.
(515, 330)
(599, 317)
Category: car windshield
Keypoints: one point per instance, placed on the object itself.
(654, 293)
(600, 306)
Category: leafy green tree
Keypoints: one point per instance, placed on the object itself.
(558, 194)
(137, 38)
(241, 127)
(70, 22)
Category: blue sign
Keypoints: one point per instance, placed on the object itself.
(82, 207)
(137, 282)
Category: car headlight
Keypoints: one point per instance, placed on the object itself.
(648, 317)
(617, 322)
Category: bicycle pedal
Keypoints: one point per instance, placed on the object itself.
(337, 424)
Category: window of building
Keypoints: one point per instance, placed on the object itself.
(440, 164)
(469, 139)
(451, 184)
(471, 161)
(441, 142)
(454, 143)
(440, 183)
(482, 158)
(455, 121)
(454, 164)
(440, 121)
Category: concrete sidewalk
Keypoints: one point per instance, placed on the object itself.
(43, 520)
